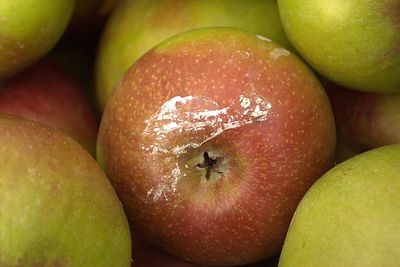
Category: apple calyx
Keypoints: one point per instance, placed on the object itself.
(210, 164)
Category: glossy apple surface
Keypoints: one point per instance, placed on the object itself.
(46, 94)
(28, 30)
(350, 216)
(57, 207)
(211, 139)
(137, 26)
(355, 43)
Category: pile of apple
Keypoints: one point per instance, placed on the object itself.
(186, 133)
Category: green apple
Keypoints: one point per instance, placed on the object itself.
(355, 43)
(57, 207)
(350, 216)
(211, 139)
(28, 30)
(136, 26)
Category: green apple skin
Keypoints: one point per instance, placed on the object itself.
(369, 120)
(45, 93)
(350, 216)
(28, 30)
(137, 26)
(201, 91)
(355, 43)
(57, 207)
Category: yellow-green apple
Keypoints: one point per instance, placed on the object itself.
(28, 30)
(365, 120)
(355, 43)
(349, 217)
(57, 207)
(136, 26)
(211, 139)
(46, 94)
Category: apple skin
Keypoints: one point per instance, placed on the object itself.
(57, 207)
(146, 255)
(88, 13)
(365, 120)
(350, 216)
(258, 111)
(28, 30)
(355, 43)
(137, 26)
(46, 94)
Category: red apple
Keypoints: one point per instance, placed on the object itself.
(365, 120)
(146, 255)
(211, 139)
(46, 94)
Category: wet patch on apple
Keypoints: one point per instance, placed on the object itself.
(193, 121)
(200, 114)
(278, 52)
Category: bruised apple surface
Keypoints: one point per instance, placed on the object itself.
(211, 140)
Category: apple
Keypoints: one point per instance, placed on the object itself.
(368, 120)
(88, 13)
(136, 26)
(211, 139)
(28, 30)
(146, 255)
(346, 148)
(75, 54)
(350, 216)
(46, 94)
(57, 207)
(355, 43)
